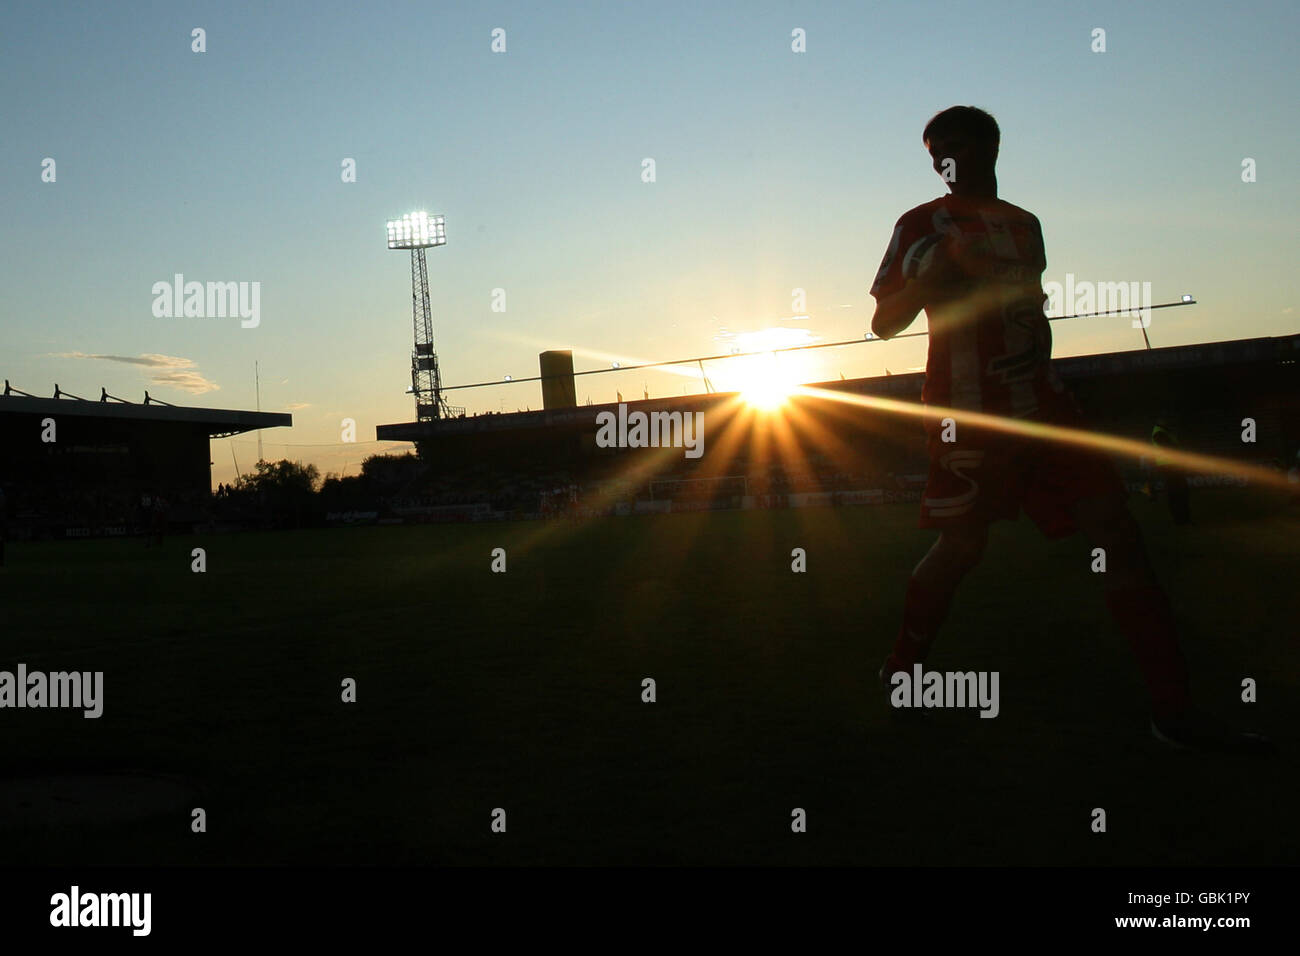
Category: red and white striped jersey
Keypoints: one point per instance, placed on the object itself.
(990, 342)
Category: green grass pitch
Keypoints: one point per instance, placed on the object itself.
(522, 691)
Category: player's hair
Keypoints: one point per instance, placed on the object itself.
(965, 119)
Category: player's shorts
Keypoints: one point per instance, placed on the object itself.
(986, 476)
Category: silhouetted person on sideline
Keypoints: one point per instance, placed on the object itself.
(1175, 481)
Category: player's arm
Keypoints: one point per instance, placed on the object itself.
(900, 298)
(895, 312)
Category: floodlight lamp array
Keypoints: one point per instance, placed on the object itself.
(416, 230)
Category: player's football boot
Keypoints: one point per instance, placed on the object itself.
(1196, 731)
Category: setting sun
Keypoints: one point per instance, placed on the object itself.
(764, 384)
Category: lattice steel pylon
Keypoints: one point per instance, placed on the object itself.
(426, 380)
(419, 231)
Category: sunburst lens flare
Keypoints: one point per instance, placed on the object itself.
(764, 383)
(766, 395)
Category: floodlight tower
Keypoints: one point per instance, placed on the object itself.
(418, 231)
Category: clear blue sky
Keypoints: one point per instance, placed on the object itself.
(775, 170)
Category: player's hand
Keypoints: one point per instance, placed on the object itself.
(969, 256)
(944, 267)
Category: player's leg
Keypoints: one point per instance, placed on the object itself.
(930, 592)
(1106, 522)
(1135, 599)
(1075, 489)
(1143, 614)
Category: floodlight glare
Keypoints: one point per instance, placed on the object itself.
(417, 230)
(1187, 298)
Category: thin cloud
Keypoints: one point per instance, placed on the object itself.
(186, 381)
(297, 406)
(180, 373)
(148, 359)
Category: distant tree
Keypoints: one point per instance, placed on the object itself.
(388, 474)
(281, 477)
(284, 490)
(340, 493)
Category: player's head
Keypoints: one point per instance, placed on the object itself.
(970, 138)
